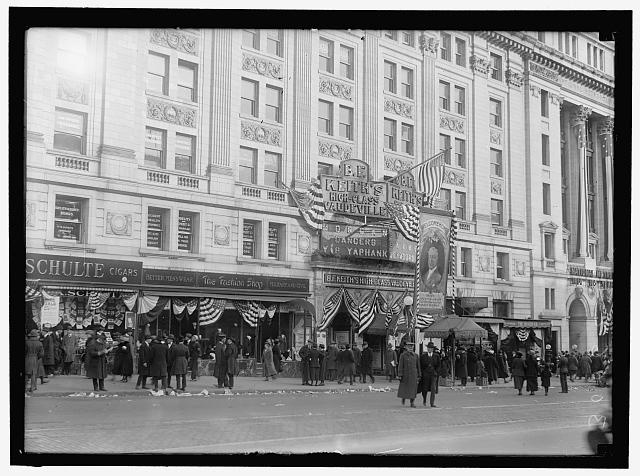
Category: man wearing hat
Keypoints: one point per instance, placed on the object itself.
(144, 352)
(220, 368)
(50, 346)
(231, 356)
(195, 352)
(429, 366)
(69, 346)
(158, 363)
(366, 363)
(304, 354)
(409, 374)
(491, 366)
(517, 372)
(34, 351)
(178, 354)
(96, 363)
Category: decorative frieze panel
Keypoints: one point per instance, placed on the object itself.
(452, 123)
(454, 177)
(336, 88)
(514, 78)
(396, 164)
(72, 91)
(30, 215)
(164, 111)
(484, 263)
(222, 235)
(519, 267)
(118, 224)
(304, 244)
(543, 72)
(495, 137)
(479, 64)
(496, 187)
(258, 133)
(263, 67)
(175, 39)
(335, 151)
(398, 107)
(429, 44)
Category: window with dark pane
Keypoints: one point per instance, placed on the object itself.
(68, 218)
(70, 131)
(156, 227)
(389, 134)
(345, 129)
(186, 230)
(185, 147)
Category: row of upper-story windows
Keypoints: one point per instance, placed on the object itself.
(268, 41)
(465, 264)
(251, 104)
(165, 75)
(568, 43)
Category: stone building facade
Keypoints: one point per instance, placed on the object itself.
(170, 148)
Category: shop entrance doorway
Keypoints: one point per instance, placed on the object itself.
(578, 325)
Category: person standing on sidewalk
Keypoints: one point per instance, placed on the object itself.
(178, 357)
(125, 360)
(341, 363)
(409, 374)
(572, 366)
(503, 369)
(545, 376)
(323, 364)
(331, 362)
(69, 346)
(472, 359)
(268, 365)
(531, 372)
(96, 365)
(357, 354)
(33, 352)
(49, 346)
(585, 366)
(277, 356)
(158, 364)
(518, 372)
(461, 367)
(144, 352)
(304, 362)
(563, 370)
(390, 362)
(596, 365)
(195, 352)
(429, 366)
(220, 367)
(366, 363)
(231, 356)
(314, 365)
(491, 367)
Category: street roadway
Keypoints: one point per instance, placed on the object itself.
(484, 422)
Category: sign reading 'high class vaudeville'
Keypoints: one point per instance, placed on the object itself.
(82, 269)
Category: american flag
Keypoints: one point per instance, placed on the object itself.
(407, 219)
(423, 321)
(429, 178)
(249, 310)
(310, 204)
(210, 310)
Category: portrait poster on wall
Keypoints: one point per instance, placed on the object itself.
(433, 261)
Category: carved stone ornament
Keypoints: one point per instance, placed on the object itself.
(336, 88)
(496, 187)
(30, 216)
(514, 78)
(543, 72)
(398, 107)
(304, 244)
(258, 133)
(519, 267)
(574, 86)
(451, 123)
(495, 137)
(479, 64)
(335, 151)
(429, 44)
(263, 67)
(72, 91)
(580, 115)
(453, 177)
(605, 127)
(222, 235)
(396, 164)
(118, 224)
(535, 91)
(164, 111)
(556, 99)
(484, 263)
(178, 40)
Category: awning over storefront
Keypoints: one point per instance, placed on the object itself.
(487, 320)
(84, 287)
(378, 326)
(463, 327)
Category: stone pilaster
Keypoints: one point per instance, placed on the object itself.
(605, 131)
(302, 106)
(221, 101)
(429, 46)
(578, 123)
(371, 94)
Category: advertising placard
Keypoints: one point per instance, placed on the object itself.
(85, 269)
(433, 265)
(349, 241)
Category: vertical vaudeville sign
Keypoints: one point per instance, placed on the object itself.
(432, 266)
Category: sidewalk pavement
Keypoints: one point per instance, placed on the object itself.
(76, 385)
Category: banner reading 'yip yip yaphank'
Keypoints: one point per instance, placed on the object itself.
(432, 266)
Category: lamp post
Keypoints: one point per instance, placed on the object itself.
(408, 303)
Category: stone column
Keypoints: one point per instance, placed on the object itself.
(221, 101)
(429, 46)
(371, 121)
(605, 130)
(578, 122)
(302, 105)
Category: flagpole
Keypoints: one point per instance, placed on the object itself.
(418, 165)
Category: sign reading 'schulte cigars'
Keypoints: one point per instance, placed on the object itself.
(353, 193)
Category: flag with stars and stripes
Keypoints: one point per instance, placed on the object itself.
(407, 219)
(249, 310)
(310, 204)
(429, 178)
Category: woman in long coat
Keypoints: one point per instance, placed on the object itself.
(409, 375)
(531, 372)
(340, 363)
(33, 352)
(472, 358)
(461, 367)
(390, 362)
(96, 361)
(49, 357)
(518, 367)
(579, 374)
(585, 366)
(125, 360)
(268, 365)
(503, 369)
(491, 366)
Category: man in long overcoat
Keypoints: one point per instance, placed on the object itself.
(491, 366)
(572, 365)
(503, 369)
(596, 363)
(96, 361)
(585, 366)
(195, 352)
(340, 363)
(178, 363)
(331, 363)
(304, 353)
(472, 358)
(357, 354)
(531, 372)
(314, 365)
(231, 356)
(461, 366)
(429, 366)
(144, 352)
(366, 363)
(69, 346)
(220, 368)
(390, 362)
(50, 349)
(349, 363)
(518, 372)
(563, 370)
(323, 363)
(33, 352)
(158, 364)
(277, 356)
(409, 374)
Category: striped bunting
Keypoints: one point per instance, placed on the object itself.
(429, 178)
(97, 300)
(522, 334)
(30, 293)
(407, 219)
(423, 321)
(310, 204)
(249, 310)
(366, 310)
(210, 310)
(330, 308)
(395, 308)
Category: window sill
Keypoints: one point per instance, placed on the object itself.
(454, 114)
(262, 262)
(58, 244)
(399, 96)
(502, 281)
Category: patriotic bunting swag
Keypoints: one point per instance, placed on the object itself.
(210, 310)
(97, 300)
(310, 204)
(129, 300)
(249, 310)
(31, 294)
(179, 306)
